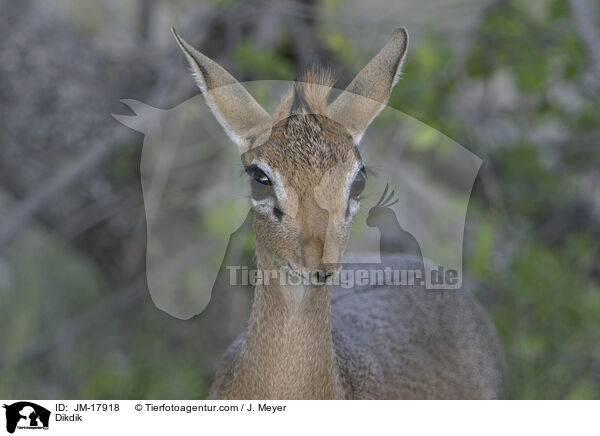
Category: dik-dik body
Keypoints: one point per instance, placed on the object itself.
(309, 341)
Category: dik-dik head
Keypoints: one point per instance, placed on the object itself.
(305, 170)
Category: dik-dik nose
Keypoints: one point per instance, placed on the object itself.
(313, 259)
(313, 235)
(312, 253)
(320, 245)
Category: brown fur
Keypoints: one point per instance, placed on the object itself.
(300, 238)
(313, 88)
(366, 343)
(388, 343)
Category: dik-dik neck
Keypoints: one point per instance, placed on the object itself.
(288, 351)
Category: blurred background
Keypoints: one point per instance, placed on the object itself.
(515, 82)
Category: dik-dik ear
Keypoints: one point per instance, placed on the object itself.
(243, 119)
(370, 90)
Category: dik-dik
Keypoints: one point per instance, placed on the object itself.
(306, 177)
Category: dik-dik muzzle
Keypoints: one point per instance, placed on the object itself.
(322, 241)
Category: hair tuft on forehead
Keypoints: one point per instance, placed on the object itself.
(308, 94)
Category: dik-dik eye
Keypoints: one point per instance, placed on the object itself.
(260, 185)
(358, 185)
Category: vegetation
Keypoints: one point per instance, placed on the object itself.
(519, 87)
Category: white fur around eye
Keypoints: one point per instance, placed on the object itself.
(265, 206)
(353, 207)
(353, 204)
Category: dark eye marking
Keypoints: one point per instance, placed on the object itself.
(260, 184)
(358, 185)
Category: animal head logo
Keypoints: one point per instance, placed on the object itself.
(25, 414)
(302, 174)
